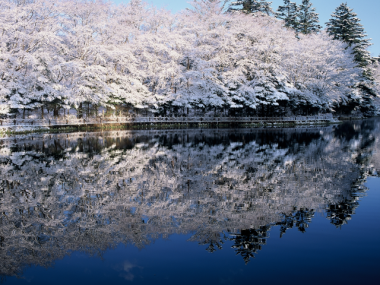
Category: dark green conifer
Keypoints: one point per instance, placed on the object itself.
(345, 26)
(288, 12)
(308, 20)
(252, 6)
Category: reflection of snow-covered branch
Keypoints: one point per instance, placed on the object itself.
(88, 192)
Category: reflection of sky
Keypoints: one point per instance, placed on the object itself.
(128, 269)
(322, 255)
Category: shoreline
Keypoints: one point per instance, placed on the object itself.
(50, 126)
(29, 126)
(118, 133)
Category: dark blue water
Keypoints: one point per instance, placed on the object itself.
(192, 207)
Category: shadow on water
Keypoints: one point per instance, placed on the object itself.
(92, 191)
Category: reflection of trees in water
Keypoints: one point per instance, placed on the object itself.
(248, 242)
(364, 135)
(299, 219)
(90, 192)
(340, 213)
(208, 236)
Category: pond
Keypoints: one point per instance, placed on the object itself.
(211, 206)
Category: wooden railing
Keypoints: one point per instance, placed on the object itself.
(158, 120)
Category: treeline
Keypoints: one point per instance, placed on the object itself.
(236, 59)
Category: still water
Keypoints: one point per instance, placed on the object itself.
(265, 206)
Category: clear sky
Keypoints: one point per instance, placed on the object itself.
(368, 11)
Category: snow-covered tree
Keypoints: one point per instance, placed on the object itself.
(246, 70)
(288, 12)
(308, 20)
(31, 55)
(318, 83)
(103, 67)
(377, 76)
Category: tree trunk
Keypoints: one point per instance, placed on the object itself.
(23, 114)
(80, 111)
(55, 111)
(42, 112)
(108, 111)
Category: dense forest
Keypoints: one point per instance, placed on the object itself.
(83, 57)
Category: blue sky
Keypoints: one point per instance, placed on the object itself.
(367, 10)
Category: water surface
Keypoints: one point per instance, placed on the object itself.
(192, 206)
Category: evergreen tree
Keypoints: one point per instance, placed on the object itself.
(307, 19)
(252, 6)
(345, 26)
(288, 13)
